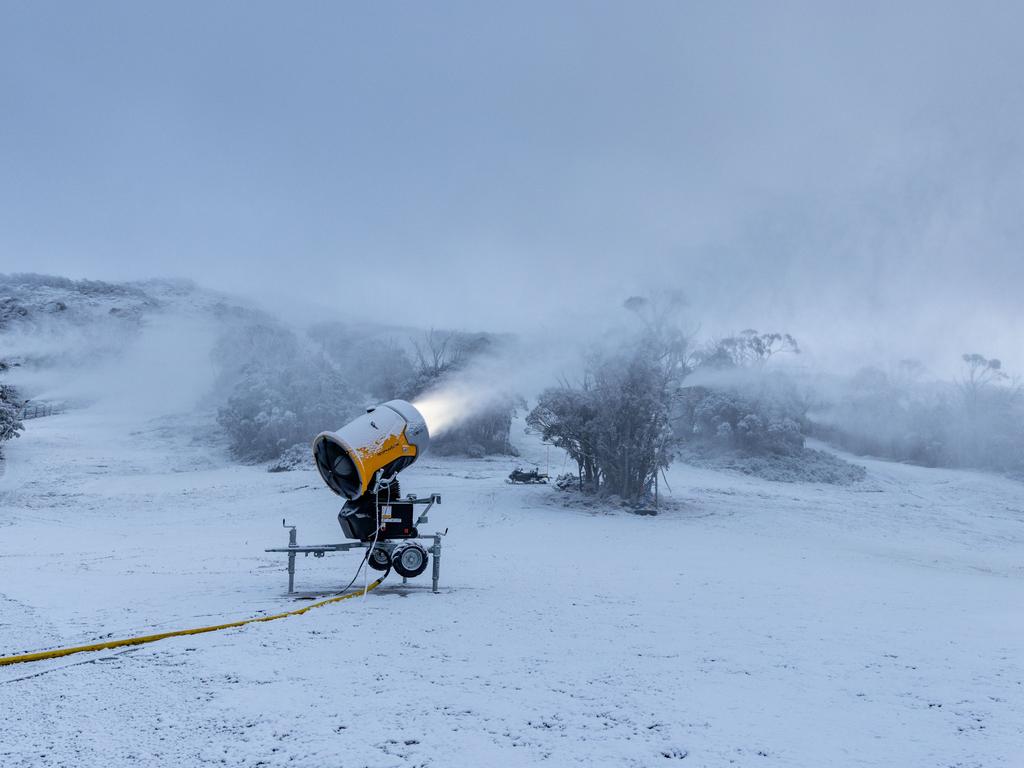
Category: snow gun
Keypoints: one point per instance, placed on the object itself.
(360, 462)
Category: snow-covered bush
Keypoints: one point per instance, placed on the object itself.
(736, 402)
(272, 409)
(732, 419)
(281, 391)
(298, 456)
(10, 408)
(567, 481)
(566, 417)
(375, 362)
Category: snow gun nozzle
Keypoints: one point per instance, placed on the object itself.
(378, 444)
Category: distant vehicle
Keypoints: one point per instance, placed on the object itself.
(522, 476)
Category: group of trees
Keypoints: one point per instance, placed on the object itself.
(975, 421)
(737, 402)
(282, 392)
(634, 409)
(638, 404)
(734, 419)
(284, 389)
(989, 428)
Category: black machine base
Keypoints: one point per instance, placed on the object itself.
(359, 518)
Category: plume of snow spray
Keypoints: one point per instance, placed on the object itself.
(454, 401)
(521, 368)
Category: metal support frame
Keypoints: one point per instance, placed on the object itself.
(319, 550)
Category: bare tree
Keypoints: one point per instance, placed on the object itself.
(980, 373)
(434, 352)
(749, 348)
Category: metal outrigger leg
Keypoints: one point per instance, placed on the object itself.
(435, 551)
(292, 544)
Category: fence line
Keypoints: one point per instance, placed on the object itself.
(39, 410)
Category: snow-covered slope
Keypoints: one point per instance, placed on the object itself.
(54, 325)
(754, 624)
(40, 301)
(77, 342)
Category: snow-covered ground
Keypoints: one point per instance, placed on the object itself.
(753, 624)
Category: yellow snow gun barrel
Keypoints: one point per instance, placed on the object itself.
(370, 450)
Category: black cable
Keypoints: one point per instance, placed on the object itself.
(360, 568)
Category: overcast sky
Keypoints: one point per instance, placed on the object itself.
(854, 175)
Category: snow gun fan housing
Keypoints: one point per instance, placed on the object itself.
(364, 456)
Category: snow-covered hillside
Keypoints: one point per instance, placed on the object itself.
(752, 624)
(49, 322)
(39, 301)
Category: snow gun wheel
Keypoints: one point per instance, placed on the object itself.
(378, 559)
(409, 560)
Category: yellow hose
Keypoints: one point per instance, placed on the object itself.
(57, 652)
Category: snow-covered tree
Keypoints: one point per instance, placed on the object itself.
(272, 409)
(282, 392)
(616, 423)
(746, 349)
(10, 408)
(566, 417)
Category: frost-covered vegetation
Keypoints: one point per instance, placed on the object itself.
(11, 405)
(30, 298)
(657, 398)
(976, 421)
(740, 403)
(50, 322)
(733, 400)
(10, 408)
(282, 391)
(615, 424)
(275, 386)
(649, 394)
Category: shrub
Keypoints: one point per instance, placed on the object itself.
(10, 408)
(757, 420)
